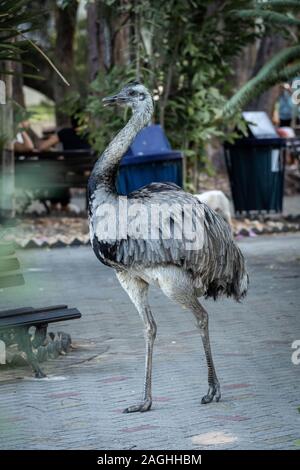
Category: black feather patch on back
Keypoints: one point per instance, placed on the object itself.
(133, 83)
(152, 188)
(105, 252)
(91, 188)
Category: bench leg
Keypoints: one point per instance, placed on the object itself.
(46, 206)
(40, 335)
(25, 345)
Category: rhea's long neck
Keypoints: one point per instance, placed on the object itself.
(105, 169)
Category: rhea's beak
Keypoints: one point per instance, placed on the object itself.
(115, 99)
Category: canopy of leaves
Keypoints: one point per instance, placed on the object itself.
(182, 52)
(15, 21)
(284, 66)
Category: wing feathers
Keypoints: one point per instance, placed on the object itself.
(216, 263)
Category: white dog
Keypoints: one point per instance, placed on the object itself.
(217, 201)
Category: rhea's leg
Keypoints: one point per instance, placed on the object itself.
(181, 290)
(213, 383)
(137, 289)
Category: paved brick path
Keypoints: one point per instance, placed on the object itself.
(80, 405)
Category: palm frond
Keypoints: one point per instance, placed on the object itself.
(285, 75)
(15, 21)
(279, 4)
(279, 60)
(270, 74)
(272, 17)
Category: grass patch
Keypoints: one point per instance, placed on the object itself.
(41, 112)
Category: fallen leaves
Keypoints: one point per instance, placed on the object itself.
(48, 231)
(213, 438)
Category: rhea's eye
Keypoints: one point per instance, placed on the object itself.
(132, 93)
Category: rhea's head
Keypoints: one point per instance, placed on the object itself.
(135, 95)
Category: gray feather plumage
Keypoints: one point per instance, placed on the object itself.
(183, 270)
(217, 268)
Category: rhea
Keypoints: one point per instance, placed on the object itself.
(202, 262)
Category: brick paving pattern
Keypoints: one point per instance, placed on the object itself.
(80, 405)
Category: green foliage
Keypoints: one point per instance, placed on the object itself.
(15, 21)
(102, 123)
(284, 66)
(40, 112)
(182, 52)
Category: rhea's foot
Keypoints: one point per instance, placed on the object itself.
(39, 374)
(144, 406)
(213, 391)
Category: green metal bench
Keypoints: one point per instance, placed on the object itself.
(16, 323)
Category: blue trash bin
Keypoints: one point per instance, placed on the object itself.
(149, 159)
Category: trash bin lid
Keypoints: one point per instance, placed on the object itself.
(253, 142)
(260, 125)
(150, 144)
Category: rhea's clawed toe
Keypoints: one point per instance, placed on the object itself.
(40, 375)
(213, 392)
(142, 407)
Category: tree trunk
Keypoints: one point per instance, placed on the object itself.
(243, 66)
(108, 37)
(93, 45)
(7, 163)
(120, 40)
(18, 82)
(65, 19)
(105, 36)
(45, 72)
(269, 46)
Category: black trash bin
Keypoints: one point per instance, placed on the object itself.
(256, 171)
(149, 159)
